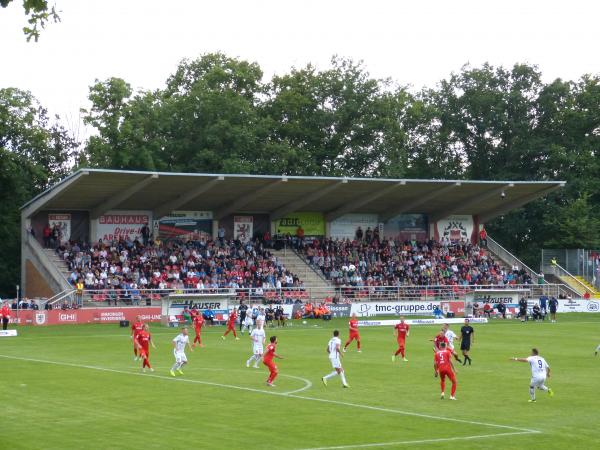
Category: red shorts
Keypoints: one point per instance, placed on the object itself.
(354, 335)
(230, 326)
(144, 352)
(197, 330)
(401, 343)
(448, 373)
(271, 365)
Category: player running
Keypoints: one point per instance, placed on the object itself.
(444, 368)
(179, 343)
(231, 325)
(451, 335)
(198, 321)
(268, 360)
(258, 338)
(467, 338)
(401, 331)
(353, 334)
(540, 371)
(136, 328)
(143, 341)
(333, 349)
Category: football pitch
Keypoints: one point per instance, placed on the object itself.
(77, 387)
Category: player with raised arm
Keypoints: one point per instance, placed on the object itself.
(136, 328)
(442, 365)
(540, 372)
(467, 338)
(333, 350)
(401, 331)
(179, 343)
(451, 335)
(268, 360)
(198, 321)
(231, 325)
(353, 334)
(258, 338)
(144, 340)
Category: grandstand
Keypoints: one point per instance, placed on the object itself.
(132, 237)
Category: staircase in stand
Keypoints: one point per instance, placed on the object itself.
(316, 285)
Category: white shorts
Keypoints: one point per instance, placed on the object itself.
(180, 357)
(451, 347)
(258, 349)
(537, 381)
(335, 363)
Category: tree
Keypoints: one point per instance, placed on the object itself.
(34, 153)
(39, 12)
(342, 121)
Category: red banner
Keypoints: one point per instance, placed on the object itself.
(88, 315)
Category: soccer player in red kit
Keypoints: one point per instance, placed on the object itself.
(401, 330)
(143, 341)
(353, 334)
(198, 321)
(136, 327)
(231, 324)
(438, 339)
(444, 368)
(268, 360)
(442, 338)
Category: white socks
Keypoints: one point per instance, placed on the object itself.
(254, 358)
(334, 373)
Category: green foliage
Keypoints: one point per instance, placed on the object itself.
(39, 12)
(34, 153)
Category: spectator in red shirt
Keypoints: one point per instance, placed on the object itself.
(483, 237)
(5, 313)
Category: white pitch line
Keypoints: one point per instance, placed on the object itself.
(271, 392)
(421, 441)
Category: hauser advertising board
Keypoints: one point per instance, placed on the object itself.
(365, 309)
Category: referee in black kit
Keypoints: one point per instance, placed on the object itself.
(466, 339)
(243, 310)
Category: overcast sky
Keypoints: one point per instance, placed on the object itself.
(414, 42)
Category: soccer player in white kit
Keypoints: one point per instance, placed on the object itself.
(258, 338)
(179, 343)
(540, 371)
(247, 323)
(333, 349)
(451, 335)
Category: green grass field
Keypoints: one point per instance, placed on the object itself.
(77, 387)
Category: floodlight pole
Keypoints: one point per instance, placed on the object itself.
(18, 303)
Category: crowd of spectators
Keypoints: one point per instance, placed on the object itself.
(204, 266)
(388, 262)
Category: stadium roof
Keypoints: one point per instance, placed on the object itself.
(99, 191)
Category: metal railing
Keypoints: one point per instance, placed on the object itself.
(147, 297)
(559, 271)
(508, 257)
